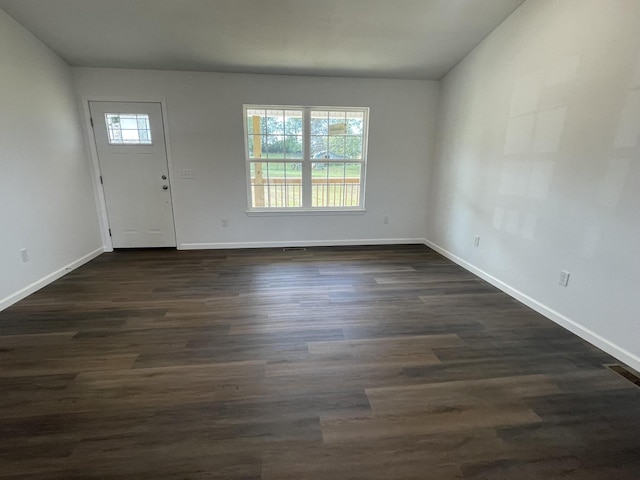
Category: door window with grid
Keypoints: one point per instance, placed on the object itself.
(305, 158)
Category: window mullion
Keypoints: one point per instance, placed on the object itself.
(306, 159)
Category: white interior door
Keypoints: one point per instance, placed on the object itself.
(135, 175)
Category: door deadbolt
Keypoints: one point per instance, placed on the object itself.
(164, 177)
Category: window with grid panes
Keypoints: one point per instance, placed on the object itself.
(305, 158)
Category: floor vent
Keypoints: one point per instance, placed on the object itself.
(623, 372)
(294, 249)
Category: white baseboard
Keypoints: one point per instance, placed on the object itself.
(590, 336)
(46, 280)
(302, 243)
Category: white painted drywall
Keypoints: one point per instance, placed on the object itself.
(46, 198)
(539, 153)
(205, 133)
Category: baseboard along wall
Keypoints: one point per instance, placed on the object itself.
(573, 326)
(47, 279)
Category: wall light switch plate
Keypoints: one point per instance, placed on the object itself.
(564, 278)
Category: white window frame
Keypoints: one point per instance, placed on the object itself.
(306, 161)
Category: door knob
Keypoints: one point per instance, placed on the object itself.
(164, 187)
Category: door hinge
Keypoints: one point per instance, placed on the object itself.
(109, 232)
(101, 180)
(91, 120)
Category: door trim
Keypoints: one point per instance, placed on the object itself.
(101, 203)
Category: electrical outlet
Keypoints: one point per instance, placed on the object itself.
(564, 278)
(476, 241)
(385, 219)
(24, 254)
(225, 222)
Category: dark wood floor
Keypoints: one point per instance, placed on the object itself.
(330, 363)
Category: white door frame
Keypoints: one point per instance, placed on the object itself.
(98, 190)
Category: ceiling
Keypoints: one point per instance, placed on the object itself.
(417, 39)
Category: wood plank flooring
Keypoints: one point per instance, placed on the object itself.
(331, 363)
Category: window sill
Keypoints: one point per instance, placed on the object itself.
(286, 213)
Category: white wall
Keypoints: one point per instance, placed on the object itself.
(46, 199)
(205, 133)
(539, 154)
